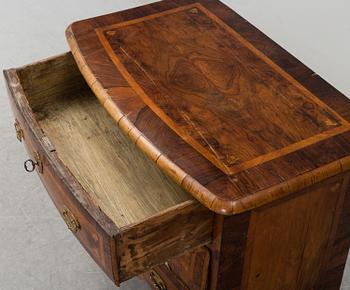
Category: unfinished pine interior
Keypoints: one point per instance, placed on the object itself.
(124, 182)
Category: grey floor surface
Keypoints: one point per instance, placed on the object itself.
(36, 249)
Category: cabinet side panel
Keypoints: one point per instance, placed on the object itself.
(288, 242)
(333, 269)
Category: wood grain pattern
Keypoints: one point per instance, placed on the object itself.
(335, 261)
(192, 268)
(126, 234)
(228, 251)
(103, 160)
(128, 186)
(229, 103)
(288, 242)
(146, 95)
(165, 236)
(300, 242)
(257, 249)
(186, 272)
(96, 229)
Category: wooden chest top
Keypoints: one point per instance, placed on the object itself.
(230, 115)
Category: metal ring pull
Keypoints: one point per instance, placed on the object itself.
(157, 281)
(30, 164)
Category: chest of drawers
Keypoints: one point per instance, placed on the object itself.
(181, 144)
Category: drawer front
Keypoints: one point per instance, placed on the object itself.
(122, 252)
(93, 238)
(187, 272)
(192, 268)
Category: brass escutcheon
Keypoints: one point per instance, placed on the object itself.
(71, 222)
(19, 131)
(30, 164)
(158, 283)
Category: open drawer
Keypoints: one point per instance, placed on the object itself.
(123, 209)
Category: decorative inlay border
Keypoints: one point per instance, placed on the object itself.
(343, 127)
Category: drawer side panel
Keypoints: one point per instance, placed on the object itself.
(167, 235)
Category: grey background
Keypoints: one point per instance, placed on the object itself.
(36, 249)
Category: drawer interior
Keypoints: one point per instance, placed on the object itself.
(124, 183)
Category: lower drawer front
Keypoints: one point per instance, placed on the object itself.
(187, 272)
(121, 251)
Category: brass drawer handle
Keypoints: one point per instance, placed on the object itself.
(19, 131)
(157, 281)
(71, 222)
(30, 164)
